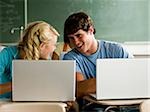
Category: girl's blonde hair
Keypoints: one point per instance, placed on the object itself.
(35, 34)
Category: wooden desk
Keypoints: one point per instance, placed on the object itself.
(145, 106)
(66, 105)
(8, 106)
(113, 103)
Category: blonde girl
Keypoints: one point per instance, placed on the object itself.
(38, 42)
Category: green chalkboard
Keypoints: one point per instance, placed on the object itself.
(11, 20)
(118, 20)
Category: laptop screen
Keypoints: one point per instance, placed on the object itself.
(122, 78)
(43, 80)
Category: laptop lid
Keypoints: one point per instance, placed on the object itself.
(43, 80)
(122, 78)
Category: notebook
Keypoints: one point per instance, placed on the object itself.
(43, 80)
(122, 79)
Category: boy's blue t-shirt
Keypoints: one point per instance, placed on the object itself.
(6, 57)
(87, 64)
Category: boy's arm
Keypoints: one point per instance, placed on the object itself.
(84, 87)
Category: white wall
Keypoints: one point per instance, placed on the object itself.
(138, 49)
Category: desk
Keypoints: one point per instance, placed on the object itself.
(113, 103)
(145, 106)
(8, 106)
(65, 106)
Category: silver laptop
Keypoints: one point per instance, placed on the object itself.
(43, 80)
(122, 79)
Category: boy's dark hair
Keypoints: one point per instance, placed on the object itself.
(75, 22)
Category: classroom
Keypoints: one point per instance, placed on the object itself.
(123, 21)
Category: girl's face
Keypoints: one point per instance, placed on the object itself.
(47, 49)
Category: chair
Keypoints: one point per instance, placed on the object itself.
(145, 106)
(33, 107)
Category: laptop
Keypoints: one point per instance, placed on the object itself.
(43, 80)
(122, 79)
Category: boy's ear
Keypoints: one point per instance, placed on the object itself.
(91, 30)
